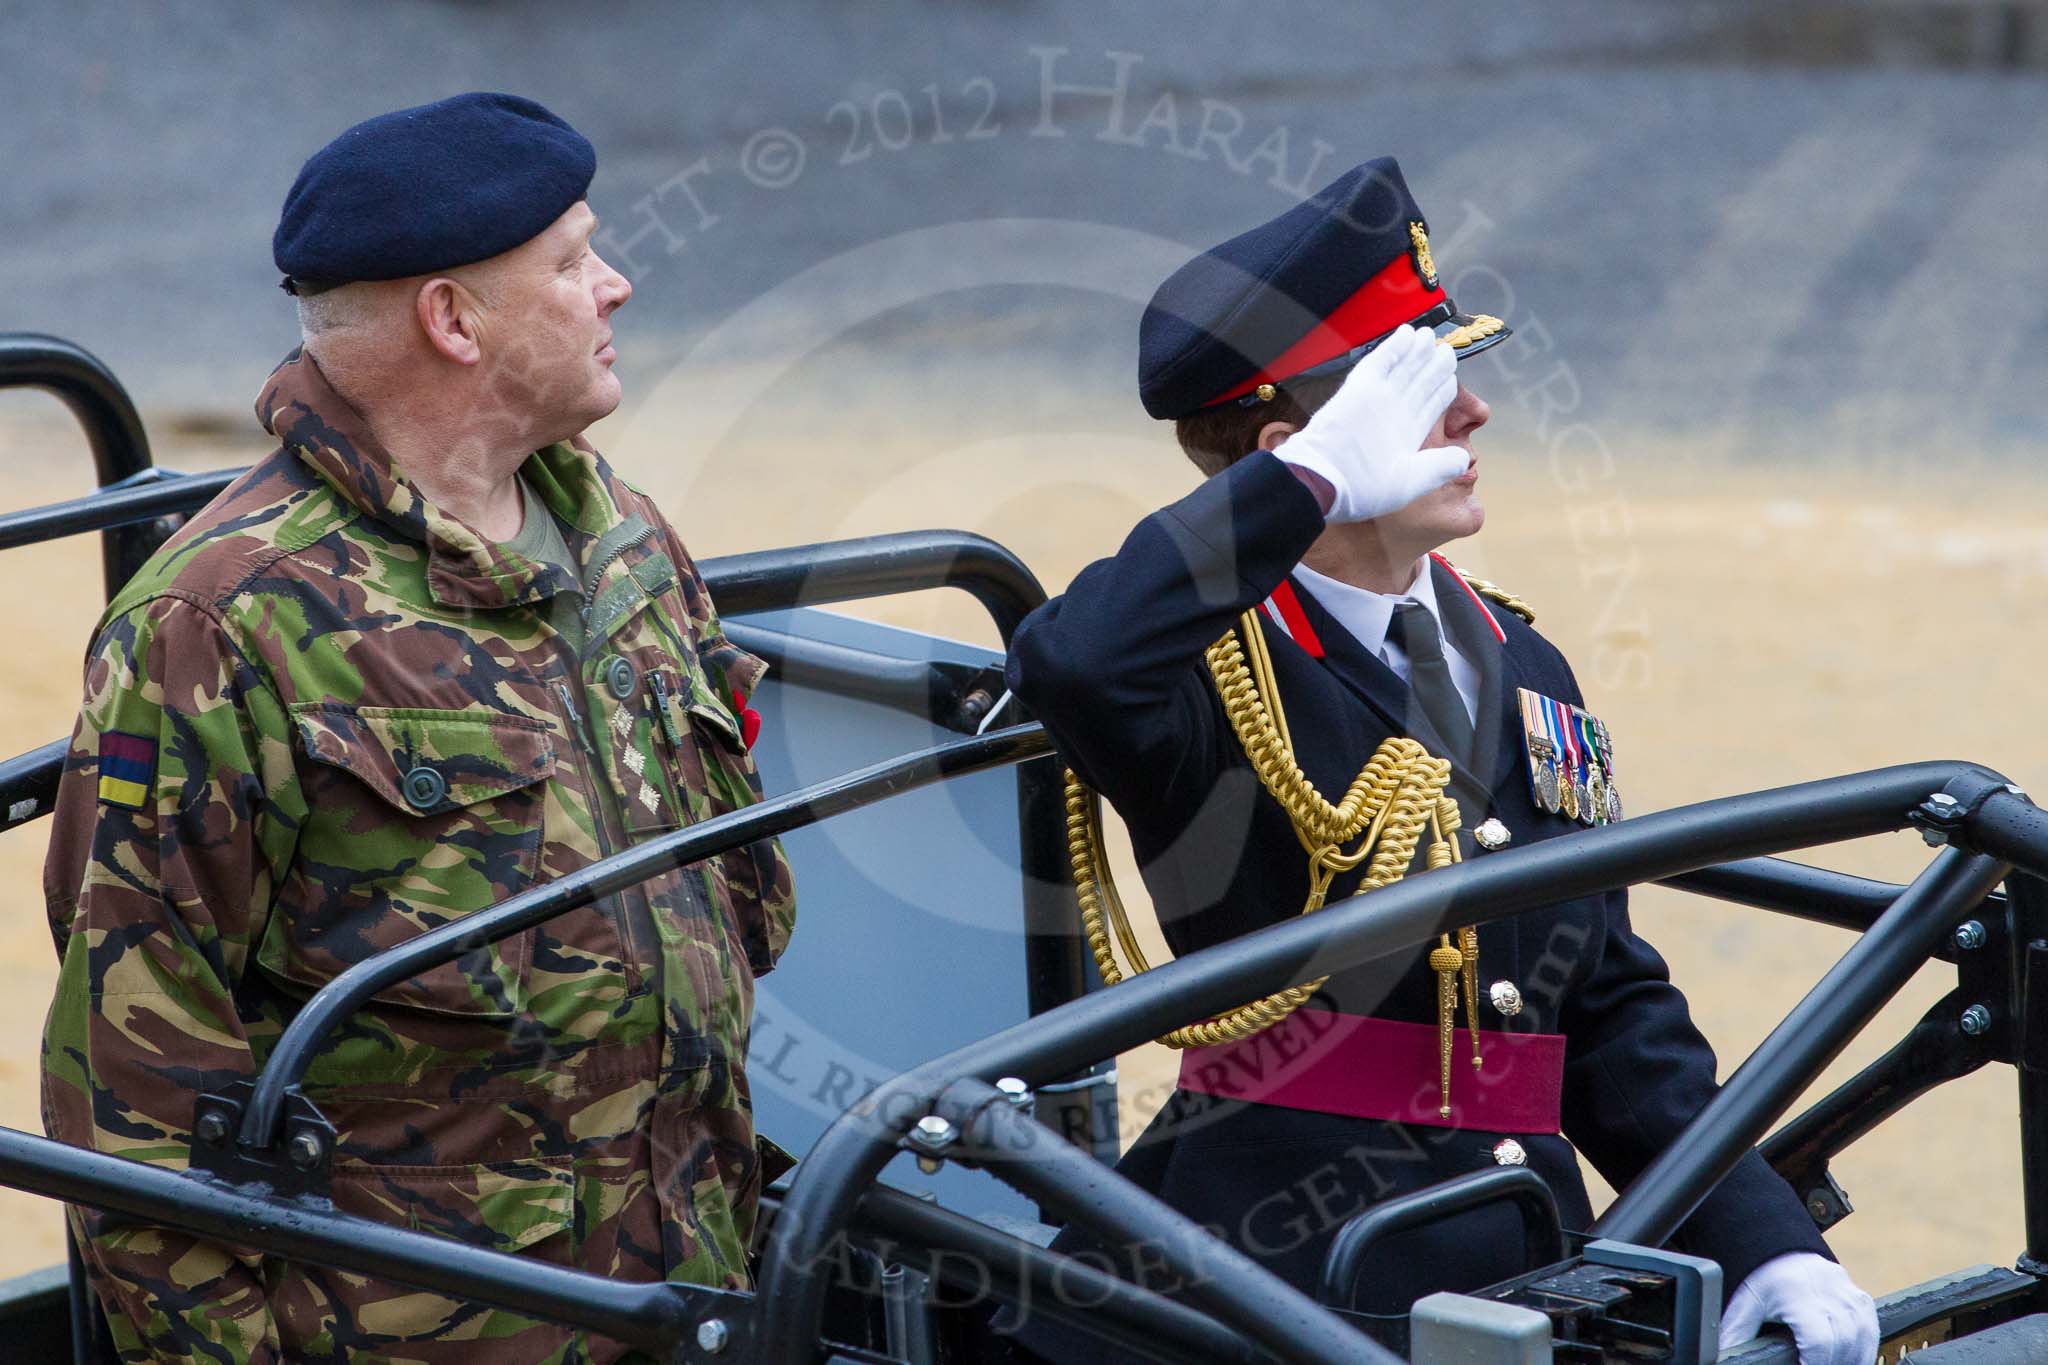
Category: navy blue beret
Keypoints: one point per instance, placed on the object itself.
(431, 188)
(1306, 295)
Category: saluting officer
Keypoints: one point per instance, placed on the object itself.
(429, 652)
(1293, 612)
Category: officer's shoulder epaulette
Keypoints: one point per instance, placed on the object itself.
(1500, 595)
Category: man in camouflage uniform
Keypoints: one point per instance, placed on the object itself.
(362, 694)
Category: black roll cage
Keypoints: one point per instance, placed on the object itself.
(1986, 831)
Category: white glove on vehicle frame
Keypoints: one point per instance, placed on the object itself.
(1832, 1321)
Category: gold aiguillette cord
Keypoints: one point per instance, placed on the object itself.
(1396, 802)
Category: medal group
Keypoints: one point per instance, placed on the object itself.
(1571, 760)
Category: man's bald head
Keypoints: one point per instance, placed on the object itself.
(379, 309)
(333, 310)
(520, 340)
(446, 284)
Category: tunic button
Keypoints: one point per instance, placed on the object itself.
(1491, 835)
(1508, 1152)
(620, 678)
(1505, 997)
(424, 788)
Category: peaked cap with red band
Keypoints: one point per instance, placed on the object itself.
(1308, 294)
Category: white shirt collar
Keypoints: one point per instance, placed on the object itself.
(1367, 614)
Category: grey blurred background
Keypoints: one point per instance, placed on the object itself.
(1787, 226)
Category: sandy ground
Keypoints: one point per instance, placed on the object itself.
(1738, 622)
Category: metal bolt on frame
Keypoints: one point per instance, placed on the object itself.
(1939, 807)
(930, 1137)
(305, 1151)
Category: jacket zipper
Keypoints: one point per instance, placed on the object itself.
(633, 901)
(583, 740)
(630, 900)
(595, 574)
(667, 717)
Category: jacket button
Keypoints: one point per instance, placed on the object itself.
(1508, 1152)
(1491, 835)
(620, 678)
(1505, 997)
(424, 788)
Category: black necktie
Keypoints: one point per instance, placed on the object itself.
(1414, 632)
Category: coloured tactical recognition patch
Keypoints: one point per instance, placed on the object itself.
(1571, 760)
(127, 769)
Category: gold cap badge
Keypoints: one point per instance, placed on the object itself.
(1425, 265)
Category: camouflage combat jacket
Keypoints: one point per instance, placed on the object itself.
(327, 717)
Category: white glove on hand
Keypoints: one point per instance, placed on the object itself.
(1833, 1322)
(1366, 442)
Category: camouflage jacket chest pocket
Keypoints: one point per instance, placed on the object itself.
(678, 749)
(415, 817)
(676, 745)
